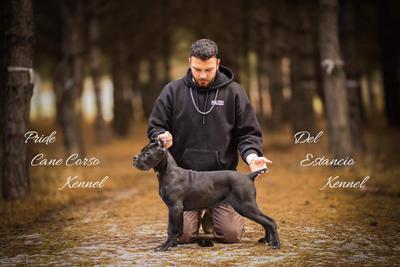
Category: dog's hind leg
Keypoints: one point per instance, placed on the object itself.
(175, 226)
(272, 238)
(253, 213)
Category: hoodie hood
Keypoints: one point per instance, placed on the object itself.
(223, 77)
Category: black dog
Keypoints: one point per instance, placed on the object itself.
(183, 190)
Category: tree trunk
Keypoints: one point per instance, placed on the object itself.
(166, 40)
(353, 73)
(244, 55)
(3, 74)
(123, 110)
(302, 69)
(69, 77)
(278, 50)
(151, 90)
(17, 94)
(317, 55)
(390, 59)
(334, 82)
(262, 46)
(100, 126)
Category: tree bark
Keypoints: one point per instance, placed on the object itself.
(100, 126)
(17, 92)
(262, 47)
(278, 50)
(69, 77)
(302, 69)
(166, 40)
(123, 111)
(152, 89)
(390, 59)
(353, 73)
(334, 80)
(244, 47)
(3, 74)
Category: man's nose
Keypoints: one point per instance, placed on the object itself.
(135, 157)
(203, 75)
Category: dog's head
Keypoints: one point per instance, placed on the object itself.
(150, 156)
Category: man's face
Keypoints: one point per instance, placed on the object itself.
(204, 71)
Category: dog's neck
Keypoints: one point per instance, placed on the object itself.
(166, 163)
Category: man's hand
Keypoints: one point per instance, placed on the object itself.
(166, 139)
(259, 163)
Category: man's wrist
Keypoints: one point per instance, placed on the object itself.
(250, 158)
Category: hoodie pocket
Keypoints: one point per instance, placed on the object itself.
(200, 160)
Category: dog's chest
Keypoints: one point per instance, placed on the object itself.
(170, 194)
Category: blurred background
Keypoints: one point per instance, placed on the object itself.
(123, 53)
(107, 62)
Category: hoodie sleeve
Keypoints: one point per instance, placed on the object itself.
(247, 131)
(161, 115)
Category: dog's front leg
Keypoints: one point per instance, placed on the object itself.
(175, 226)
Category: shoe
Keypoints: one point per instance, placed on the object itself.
(206, 222)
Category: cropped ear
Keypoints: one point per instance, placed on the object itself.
(160, 142)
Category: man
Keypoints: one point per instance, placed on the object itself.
(204, 119)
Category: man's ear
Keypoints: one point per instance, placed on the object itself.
(218, 62)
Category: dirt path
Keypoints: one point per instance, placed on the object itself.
(329, 227)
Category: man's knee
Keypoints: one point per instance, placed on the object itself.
(191, 224)
(228, 224)
(230, 233)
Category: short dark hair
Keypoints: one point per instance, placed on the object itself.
(204, 49)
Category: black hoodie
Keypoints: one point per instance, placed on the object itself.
(205, 142)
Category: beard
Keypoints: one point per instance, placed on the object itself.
(204, 82)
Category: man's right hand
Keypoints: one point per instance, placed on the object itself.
(166, 139)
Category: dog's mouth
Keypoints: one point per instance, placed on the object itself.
(140, 166)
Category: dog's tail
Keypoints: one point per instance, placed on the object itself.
(253, 175)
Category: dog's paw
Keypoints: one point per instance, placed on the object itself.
(163, 247)
(262, 240)
(275, 244)
(205, 243)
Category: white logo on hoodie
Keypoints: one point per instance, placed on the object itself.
(217, 102)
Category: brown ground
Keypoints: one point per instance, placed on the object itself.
(122, 223)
